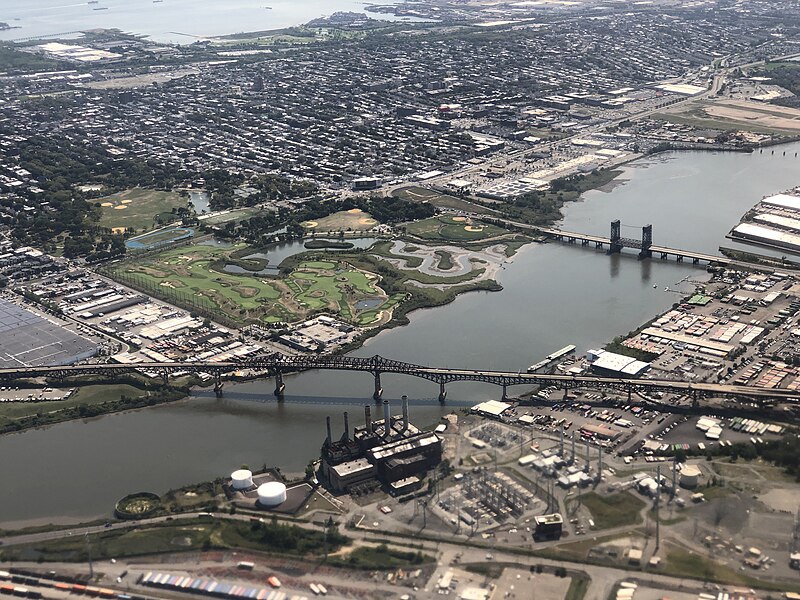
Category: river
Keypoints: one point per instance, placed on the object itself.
(553, 295)
(168, 21)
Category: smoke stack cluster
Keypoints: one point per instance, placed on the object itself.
(328, 423)
(346, 427)
(405, 413)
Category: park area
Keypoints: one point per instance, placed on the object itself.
(138, 209)
(439, 200)
(453, 229)
(346, 220)
(225, 282)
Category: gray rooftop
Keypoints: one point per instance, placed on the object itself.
(27, 339)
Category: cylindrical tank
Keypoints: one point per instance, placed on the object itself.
(690, 475)
(272, 493)
(241, 479)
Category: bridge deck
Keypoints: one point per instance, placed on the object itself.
(377, 365)
(689, 254)
(655, 249)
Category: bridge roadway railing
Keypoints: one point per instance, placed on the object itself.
(276, 365)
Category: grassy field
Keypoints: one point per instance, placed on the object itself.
(193, 277)
(346, 220)
(615, 510)
(445, 260)
(85, 396)
(452, 229)
(187, 536)
(137, 208)
(439, 200)
(380, 558)
(238, 214)
(578, 587)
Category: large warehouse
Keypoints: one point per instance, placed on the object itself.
(610, 364)
(32, 341)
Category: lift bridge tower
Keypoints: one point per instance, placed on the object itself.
(618, 242)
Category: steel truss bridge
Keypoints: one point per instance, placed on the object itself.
(277, 365)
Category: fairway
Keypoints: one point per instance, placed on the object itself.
(137, 208)
(197, 277)
(345, 220)
(453, 229)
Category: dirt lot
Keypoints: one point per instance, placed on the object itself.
(756, 113)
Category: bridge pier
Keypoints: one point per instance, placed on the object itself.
(218, 386)
(678, 258)
(505, 392)
(279, 385)
(442, 392)
(378, 388)
(165, 378)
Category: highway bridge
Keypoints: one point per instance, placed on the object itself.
(616, 242)
(277, 365)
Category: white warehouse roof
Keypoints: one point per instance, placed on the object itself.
(783, 200)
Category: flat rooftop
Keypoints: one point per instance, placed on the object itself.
(32, 341)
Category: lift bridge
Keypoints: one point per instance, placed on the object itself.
(616, 242)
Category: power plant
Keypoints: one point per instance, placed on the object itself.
(391, 451)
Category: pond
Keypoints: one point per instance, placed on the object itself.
(368, 303)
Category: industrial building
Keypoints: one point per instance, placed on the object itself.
(388, 451)
(33, 341)
(548, 527)
(614, 365)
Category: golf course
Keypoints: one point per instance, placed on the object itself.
(224, 281)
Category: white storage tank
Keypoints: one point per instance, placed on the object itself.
(690, 476)
(241, 479)
(271, 494)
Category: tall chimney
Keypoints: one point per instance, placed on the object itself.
(387, 421)
(368, 419)
(328, 423)
(405, 413)
(346, 427)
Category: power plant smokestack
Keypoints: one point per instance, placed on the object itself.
(328, 423)
(387, 421)
(405, 413)
(368, 419)
(346, 427)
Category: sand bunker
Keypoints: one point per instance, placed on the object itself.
(459, 219)
(309, 224)
(106, 204)
(471, 228)
(367, 221)
(117, 230)
(120, 207)
(355, 211)
(127, 201)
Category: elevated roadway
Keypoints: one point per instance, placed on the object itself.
(277, 365)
